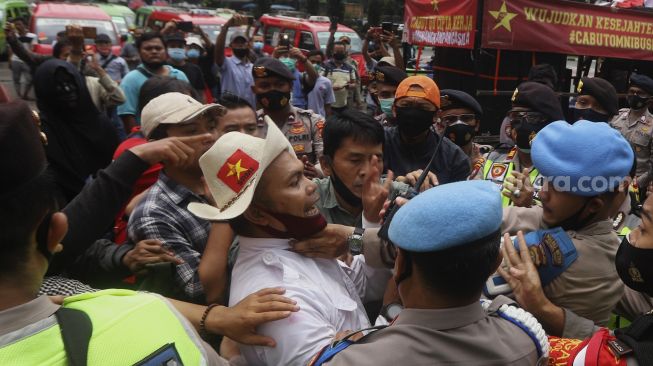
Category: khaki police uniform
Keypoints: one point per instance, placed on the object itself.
(479, 156)
(499, 166)
(467, 335)
(639, 132)
(590, 287)
(304, 131)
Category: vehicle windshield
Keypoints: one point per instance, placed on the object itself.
(356, 44)
(121, 24)
(130, 19)
(47, 28)
(211, 30)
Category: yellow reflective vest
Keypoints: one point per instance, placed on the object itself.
(497, 168)
(128, 327)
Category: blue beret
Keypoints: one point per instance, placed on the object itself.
(459, 99)
(585, 159)
(447, 216)
(643, 82)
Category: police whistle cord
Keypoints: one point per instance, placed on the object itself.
(527, 322)
(410, 193)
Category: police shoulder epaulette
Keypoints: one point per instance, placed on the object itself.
(526, 322)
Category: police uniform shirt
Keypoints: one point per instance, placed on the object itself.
(590, 287)
(457, 336)
(304, 131)
(450, 164)
(25, 318)
(496, 168)
(639, 133)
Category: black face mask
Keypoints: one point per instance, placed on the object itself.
(339, 56)
(343, 191)
(240, 52)
(574, 222)
(460, 133)
(274, 100)
(589, 114)
(636, 102)
(42, 236)
(635, 267)
(525, 134)
(413, 121)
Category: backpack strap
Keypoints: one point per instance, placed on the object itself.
(639, 336)
(108, 61)
(145, 73)
(76, 331)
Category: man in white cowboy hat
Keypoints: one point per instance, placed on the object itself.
(259, 186)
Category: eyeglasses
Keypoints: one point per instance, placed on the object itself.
(467, 118)
(517, 117)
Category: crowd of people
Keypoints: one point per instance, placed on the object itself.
(176, 205)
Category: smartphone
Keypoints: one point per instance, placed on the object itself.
(386, 26)
(284, 40)
(250, 20)
(185, 26)
(89, 32)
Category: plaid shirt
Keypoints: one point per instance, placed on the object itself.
(163, 215)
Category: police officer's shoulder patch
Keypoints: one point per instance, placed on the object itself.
(498, 170)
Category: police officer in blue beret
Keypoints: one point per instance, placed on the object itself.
(447, 245)
(459, 119)
(586, 168)
(534, 106)
(636, 124)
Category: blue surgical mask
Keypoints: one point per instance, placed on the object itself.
(258, 46)
(193, 53)
(177, 54)
(386, 105)
(289, 62)
(318, 68)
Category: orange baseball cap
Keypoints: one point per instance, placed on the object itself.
(429, 89)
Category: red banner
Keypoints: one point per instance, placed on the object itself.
(568, 28)
(441, 23)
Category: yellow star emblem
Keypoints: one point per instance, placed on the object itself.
(503, 17)
(435, 4)
(236, 169)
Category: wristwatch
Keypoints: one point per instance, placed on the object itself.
(355, 241)
(391, 310)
